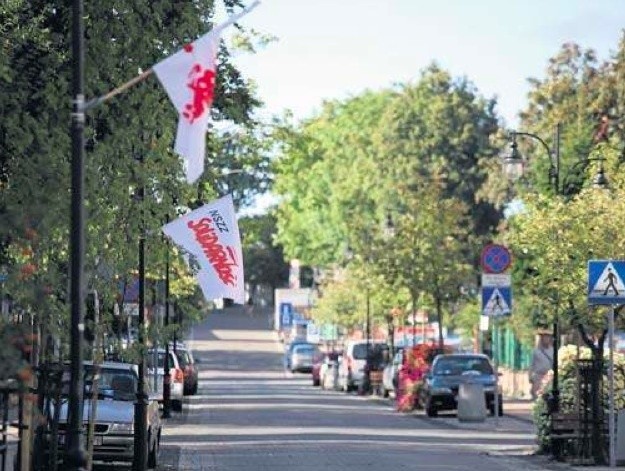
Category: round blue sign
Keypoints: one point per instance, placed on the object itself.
(495, 258)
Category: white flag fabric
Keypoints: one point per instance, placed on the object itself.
(211, 235)
(188, 77)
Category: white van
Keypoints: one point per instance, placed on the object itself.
(352, 365)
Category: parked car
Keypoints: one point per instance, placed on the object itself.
(113, 439)
(439, 390)
(301, 358)
(288, 352)
(390, 376)
(156, 374)
(352, 367)
(187, 363)
(319, 361)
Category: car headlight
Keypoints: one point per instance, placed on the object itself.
(122, 428)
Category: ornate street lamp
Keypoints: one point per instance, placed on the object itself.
(513, 167)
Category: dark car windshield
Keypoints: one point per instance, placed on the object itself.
(311, 349)
(360, 350)
(449, 366)
(183, 358)
(112, 383)
(120, 385)
(160, 359)
(297, 345)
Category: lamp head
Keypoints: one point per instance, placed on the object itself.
(600, 181)
(512, 162)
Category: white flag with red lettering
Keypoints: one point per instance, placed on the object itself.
(211, 235)
(189, 78)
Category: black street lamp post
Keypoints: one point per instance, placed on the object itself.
(141, 404)
(167, 373)
(513, 166)
(77, 458)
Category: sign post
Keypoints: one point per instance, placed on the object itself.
(606, 287)
(611, 420)
(496, 298)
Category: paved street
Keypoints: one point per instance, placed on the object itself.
(251, 415)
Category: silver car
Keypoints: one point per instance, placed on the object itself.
(302, 357)
(113, 438)
(156, 376)
(391, 373)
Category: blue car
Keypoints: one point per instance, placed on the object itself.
(439, 390)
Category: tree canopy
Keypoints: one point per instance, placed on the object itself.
(128, 144)
(415, 156)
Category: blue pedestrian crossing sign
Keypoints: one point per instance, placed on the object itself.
(605, 282)
(286, 315)
(496, 301)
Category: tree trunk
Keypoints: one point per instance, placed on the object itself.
(439, 318)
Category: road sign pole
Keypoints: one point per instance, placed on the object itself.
(611, 387)
(496, 366)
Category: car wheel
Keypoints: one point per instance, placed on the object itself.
(176, 405)
(491, 408)
(431, 410)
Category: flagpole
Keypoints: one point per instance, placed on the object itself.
(77, 457)
(141, 405)
(167, 373)
(144, 75)
(116, 91)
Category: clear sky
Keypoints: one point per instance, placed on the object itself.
(329, 49)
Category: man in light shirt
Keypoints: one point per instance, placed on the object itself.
(542, 362)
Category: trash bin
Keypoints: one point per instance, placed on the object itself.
(471, 402)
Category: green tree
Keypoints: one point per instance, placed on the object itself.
(556, 238)
(263, 259)
(128, 144)
(585, 96)
(415, 152)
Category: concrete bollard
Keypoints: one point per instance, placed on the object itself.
(471, 402)
(620, 437)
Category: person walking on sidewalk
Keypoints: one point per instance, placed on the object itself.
(542, 362)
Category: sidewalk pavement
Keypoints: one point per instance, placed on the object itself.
(519, 409)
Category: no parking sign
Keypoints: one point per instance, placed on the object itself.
(495, 258)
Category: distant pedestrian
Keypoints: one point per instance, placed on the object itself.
(542, 362)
